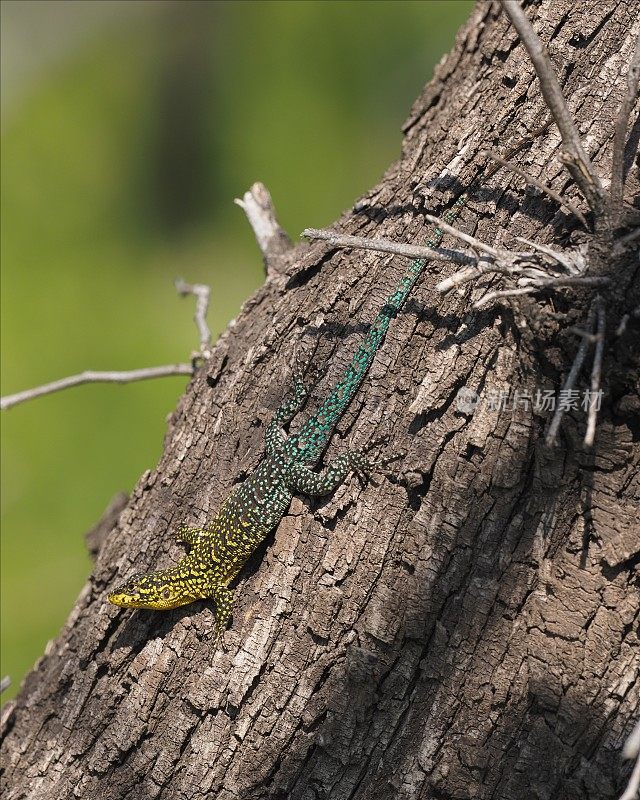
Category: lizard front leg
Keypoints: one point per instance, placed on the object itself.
(305, 481)
(274, 438)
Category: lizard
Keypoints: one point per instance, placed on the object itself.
(219, 550)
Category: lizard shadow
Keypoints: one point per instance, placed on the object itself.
(533, 205)
(142, 624)
(341, 332)
(452, 323)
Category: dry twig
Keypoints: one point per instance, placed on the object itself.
(464, 237)
(387, 246)
(463, 276)
(573, 262)
(590, 337)
(202, 293)
(627, 239)
(630, 751)
(620, 135)
(538, 184)
(570, 381)
(576, 160)
(622, 327)
(497, 295)
(531, 269)
(596, 372)
(574, 280)
(91, 376)
(273, 240)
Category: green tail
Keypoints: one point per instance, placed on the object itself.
(308, 444)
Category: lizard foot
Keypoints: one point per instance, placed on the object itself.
(223, 598)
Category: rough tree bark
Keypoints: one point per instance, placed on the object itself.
(464, 629)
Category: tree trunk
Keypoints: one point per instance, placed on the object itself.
(466, 628)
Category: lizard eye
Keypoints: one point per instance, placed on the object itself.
(166, 594)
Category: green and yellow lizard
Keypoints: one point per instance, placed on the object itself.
(219, 550)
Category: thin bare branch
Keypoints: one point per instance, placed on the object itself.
(273, 240)
(5, 683)
(623, 242)
(497, 295)
(592, 338)
(629, 237)
(596, 372)
(631, 747)
(631, 792)
(620, 135)
(202, 293)
(565, 280)
(573, 280)
(570, 261)
(538, 184)
(570, 381)
(631, 750)
(464, 237)
(622, 327)
(90, 376)
(528, 281)
(578, 163)
(463, 276)
(527, 273)
(527, 266)
(387, 246)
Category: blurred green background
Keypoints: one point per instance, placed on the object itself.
(127, 130)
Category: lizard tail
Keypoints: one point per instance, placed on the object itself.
(309, 443)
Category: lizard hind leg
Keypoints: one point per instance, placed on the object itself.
(223, 598)
(363, 465)
(274, 438)
(301, 479)
(306, 481)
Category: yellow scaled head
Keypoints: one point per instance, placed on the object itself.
(161, 590)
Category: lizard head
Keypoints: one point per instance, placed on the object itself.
(161, 590)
